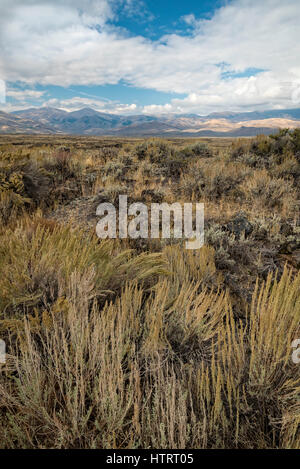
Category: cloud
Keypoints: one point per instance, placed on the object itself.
(137, 8)
(75, 43)
(75, 103)
(189, 19)
(24, 95)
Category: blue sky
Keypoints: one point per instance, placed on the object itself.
(150, 56)
(156, 18)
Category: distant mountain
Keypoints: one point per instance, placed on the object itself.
(292, 114)
(12, 124)
(87, 121)
(77, 122)
(42, 113)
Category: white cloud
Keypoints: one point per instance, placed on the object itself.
(57, 42)
(71, 104)
(189, 19)
(23, 95)
(75, 103)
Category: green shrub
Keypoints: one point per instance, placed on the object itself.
(198, 149)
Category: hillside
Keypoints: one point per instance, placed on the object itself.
(11, 123)
(89, 122)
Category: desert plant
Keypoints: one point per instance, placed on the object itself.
(47, 255)
(269, 192)
(148, 374)
(198, 149)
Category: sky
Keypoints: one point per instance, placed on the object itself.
(150, 56)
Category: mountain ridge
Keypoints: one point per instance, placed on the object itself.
(88, 121)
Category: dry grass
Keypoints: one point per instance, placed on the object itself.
(147, 373)
(142, 344)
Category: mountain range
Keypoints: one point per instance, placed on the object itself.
(87, 121)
